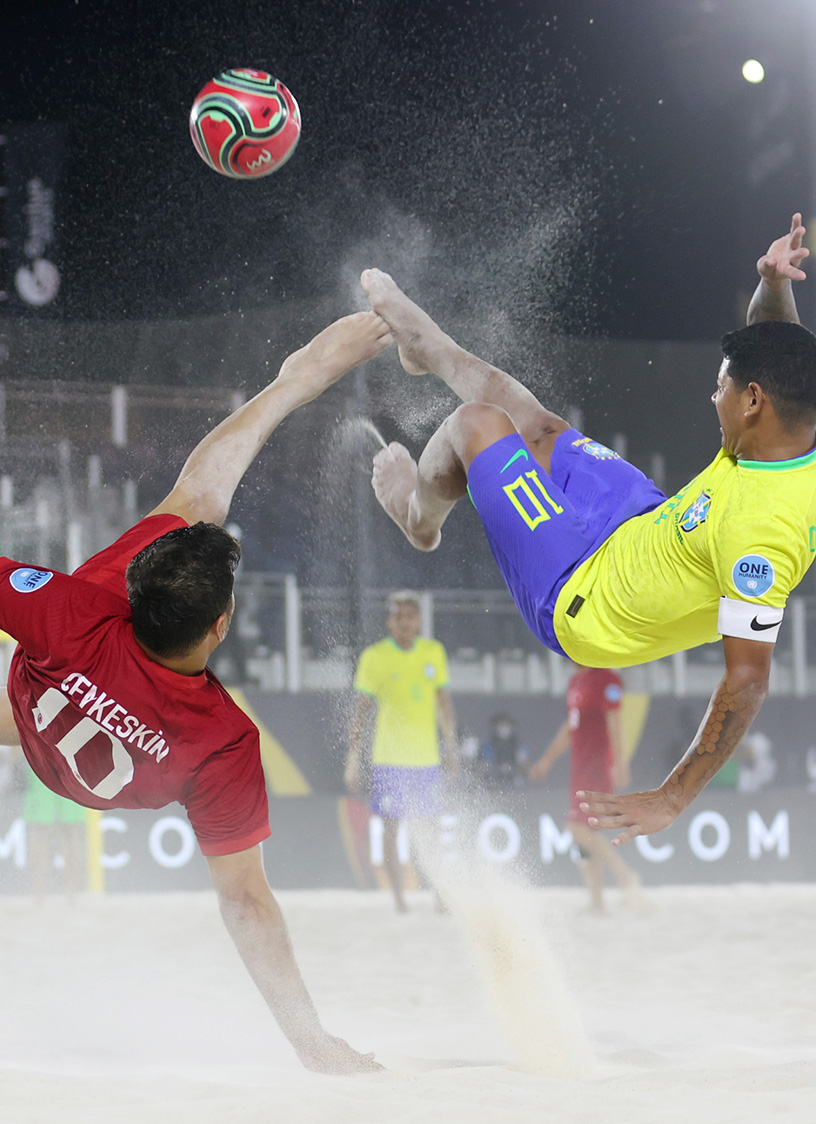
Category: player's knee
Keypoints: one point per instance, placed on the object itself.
(540, 431)
(475, 426)
(543, 426)
(483, 417)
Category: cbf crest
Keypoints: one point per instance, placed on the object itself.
(696, 514)
(596, 449)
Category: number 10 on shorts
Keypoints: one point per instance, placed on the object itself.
(528, 503)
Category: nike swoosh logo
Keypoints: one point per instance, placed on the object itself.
(757, 627)
(518, 453)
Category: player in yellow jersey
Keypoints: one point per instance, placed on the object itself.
(603, 567)
(404, 678)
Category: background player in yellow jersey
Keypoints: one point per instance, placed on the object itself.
(403, 677)
(603, 567)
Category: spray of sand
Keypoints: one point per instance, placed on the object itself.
(503, 924)
(367, 426)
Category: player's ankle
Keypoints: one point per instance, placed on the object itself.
(424, 533)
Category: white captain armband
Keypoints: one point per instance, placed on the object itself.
(749, 622)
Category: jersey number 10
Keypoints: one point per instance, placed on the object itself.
(76, 737)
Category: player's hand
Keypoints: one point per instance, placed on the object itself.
(334, 1055)
(637, 813)
(785, 255)
(353, 778)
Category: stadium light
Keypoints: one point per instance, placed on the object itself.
(753, 71)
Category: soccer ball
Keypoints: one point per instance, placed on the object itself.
(245, 124)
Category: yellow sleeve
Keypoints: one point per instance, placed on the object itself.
(366, 678)
(441, 661)
(749, 568)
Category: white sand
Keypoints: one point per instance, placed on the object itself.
(136, 1010)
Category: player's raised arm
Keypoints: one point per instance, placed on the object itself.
(732, 709)
(216, 466)
(255, 923)
(773, 297)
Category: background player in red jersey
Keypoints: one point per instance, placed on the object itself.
(593, 732)
(112, 698)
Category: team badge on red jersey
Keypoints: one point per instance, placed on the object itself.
(27, 580)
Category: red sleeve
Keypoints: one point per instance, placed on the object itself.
(37, 605)
(41, 608)
(226, 802)
(108, 567)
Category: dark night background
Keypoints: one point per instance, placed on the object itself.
(595, 167)
(542, 175)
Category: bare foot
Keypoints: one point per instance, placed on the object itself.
(394, 482)
(423, 346)
(334, 351)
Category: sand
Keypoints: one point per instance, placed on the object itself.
(136, 1010)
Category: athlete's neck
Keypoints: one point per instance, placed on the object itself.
(405, 645)
(193, 663)
(782, 445)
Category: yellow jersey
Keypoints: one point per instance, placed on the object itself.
(739, 536)
(405, 685)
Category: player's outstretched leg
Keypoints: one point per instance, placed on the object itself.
(419, 497)
(424, 348)
(215, 467)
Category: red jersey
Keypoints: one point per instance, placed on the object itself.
(103, 724)
(591, 694)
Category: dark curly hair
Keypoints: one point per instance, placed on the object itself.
(781, 358)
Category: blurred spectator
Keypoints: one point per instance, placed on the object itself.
(503, 760)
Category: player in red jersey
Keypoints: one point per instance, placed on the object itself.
(112, 699)
(593, 733)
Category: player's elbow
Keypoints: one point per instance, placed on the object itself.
(241, 887)
(750, 683)
(747, 666)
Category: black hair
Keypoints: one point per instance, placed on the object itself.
(179, 586)
(781, 358)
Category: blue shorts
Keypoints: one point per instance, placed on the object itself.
(542, 527)
(401, 792)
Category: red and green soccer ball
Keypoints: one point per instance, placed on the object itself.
(245, 124)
